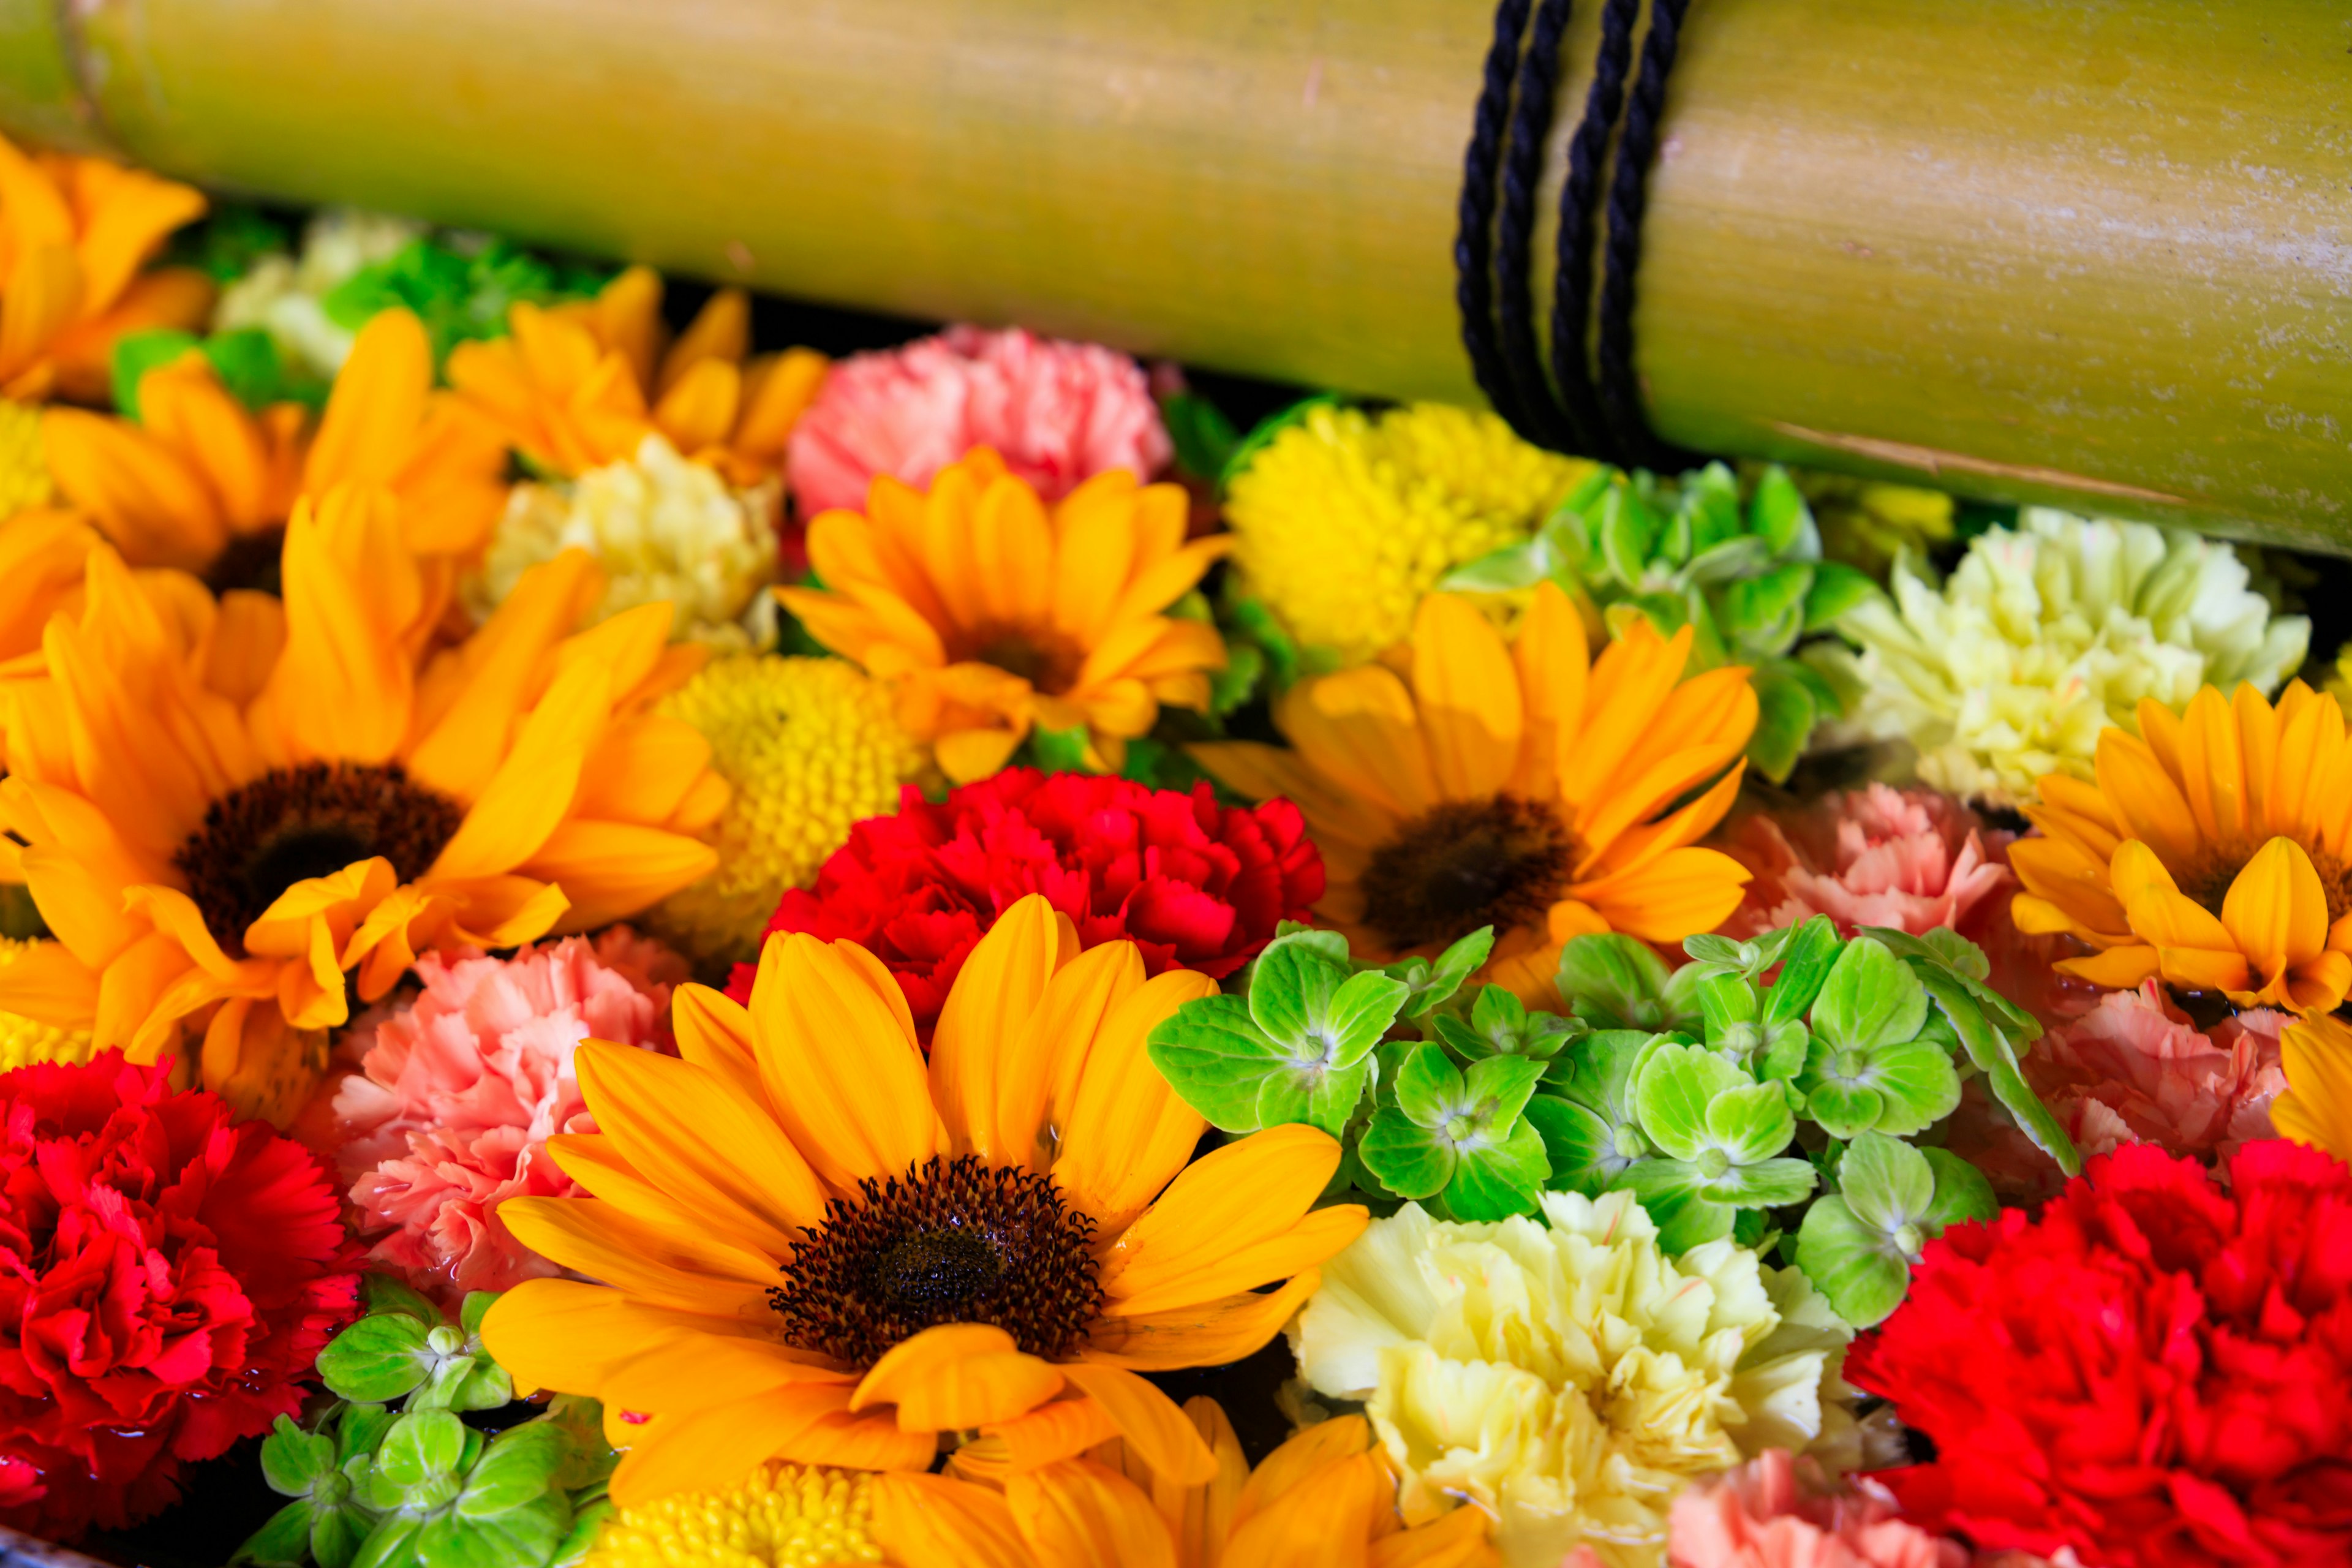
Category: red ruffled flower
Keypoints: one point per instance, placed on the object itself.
(165, 1279)
(2155, 1372)
(1193, 884)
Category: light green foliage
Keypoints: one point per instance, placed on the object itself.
(1859, 1244)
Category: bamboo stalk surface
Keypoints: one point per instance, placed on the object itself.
(2098, 254)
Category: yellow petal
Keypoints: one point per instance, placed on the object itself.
(991, 1067)
(679, 1372)
(1309, 1450)
(663, 1266)
(1553, 664)
(2213, 767)
(957, 1376)
(1077, 1512)
(2276, 909)
(1360, 729)
(1679, 894)
(714, 1031)
(2146, 800)
(1468, 694)
(2118, 968)
(1128, 1132)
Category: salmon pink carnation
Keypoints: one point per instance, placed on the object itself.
(1913, 859)
(167, 1275)
(1057, 413)
(459, 1090)
(1778, 1510)
(2155, 1371)
(1194, 885)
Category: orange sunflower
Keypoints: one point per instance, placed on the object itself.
(814, 1248)
(1526, 787)
(991, 614)
(578, 386)
(201, 484)
(207, 863)
(2211, 849)
(74, 234)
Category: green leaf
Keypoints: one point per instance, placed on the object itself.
(470, 1313)
(381, 1357)
(1962, 1194)
(1613, 981)
(360, 1430)
(1765, 1184)
(1215, 1057)
(1204, 437)
(1500, 1180)
(1838, 590)
(1628, 531)
(1601, 1073)
(1886, 1181)
(1290, 991)
(1430, 1088)
(1504, 571)
(136, 353)
(1844, 1108)
(1749, 1123)
(1811, 947)
(391, 1544)
(421, 1446)
(1498, 1090)
(245, 360)
(1359, 1013)
(1870, 998)
(388, 1293)
(1763, 614)
(1784, 721)
(337, 1535)
(1851, 1263)
(1337, 1093)
(292, 1458)
(1919, 1084)
(584, 1531)
(1669, 1192)
(1456, 964)
(1785, 1047)
(591, 1458)
(1994, 1057)
(1777, 512)
(520, 1465)
(1580, 1147)
(1709, 500)
(1676, 1085)
(282, 1542)
(1409, 1160)
(1059, 751)
(486, 1385)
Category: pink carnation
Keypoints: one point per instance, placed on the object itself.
(2134, 1070)
(1057, 413)
(459, 1091)
(1776, 1512)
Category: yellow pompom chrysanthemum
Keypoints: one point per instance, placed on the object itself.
(810, 747)
(1345, 519)
(24, 1041)
(781, 1516)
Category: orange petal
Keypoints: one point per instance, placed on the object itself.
(1057, 1429)
(1331, 1511)
(714, 1031)
(2118, 968)
(1553, 663)
(1210, 1334)
(376, 407)
(1231, 1220)
(664, 1265)
(956, 1376)
(990, 1069)
(1161, 1434)
(1077, 1512)
(2145, 799)
(1468, 693)
(1360, 729)
(565, 1335)
(1681, 893)
(2276, 909)
(933, 1521)
(1127, 1133)
(712, 1449)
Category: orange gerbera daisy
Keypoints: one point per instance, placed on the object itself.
(816, 1249)
(1516, 786)
(2211, 849)
(41, 555)
(578, 386)
(201, 484)
(2316, 1108)
(74, 233)
(990, 613)
(210, 862)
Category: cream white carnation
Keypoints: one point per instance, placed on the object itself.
(662, 528)
(2044, 636)
(1567, 1380)
(281, 294)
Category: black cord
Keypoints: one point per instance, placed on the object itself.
(1572, 299)
(1473, 240)
(1568, 426)
(1620, 388)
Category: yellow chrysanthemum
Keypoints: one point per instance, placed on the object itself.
(24, 1041)
(1566, 1377)
(224, 865)
(781, 1516)
(1872, 525)
(988, 613)
(2212, 849)
(809, 747)
(25, 481)
(2316, 1108)
(577, 386)
(74, 234)
(1345, 519)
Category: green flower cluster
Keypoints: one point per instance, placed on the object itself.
(1748, 579)
(375, 1487)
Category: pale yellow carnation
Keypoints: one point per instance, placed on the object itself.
(662, 528)
(2044, 636)
(1568, 1380)
(285, 296)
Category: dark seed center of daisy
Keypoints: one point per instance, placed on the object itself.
(251, 561)
(1501, 862)
(2206, 880)
(1048, 662)
(294, 824)
(956, 1241)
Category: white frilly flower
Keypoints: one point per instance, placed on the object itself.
(662, 528)
(282, 295)
(2046, 636)
(1568, 1380)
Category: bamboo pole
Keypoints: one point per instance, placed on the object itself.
(2043, 249)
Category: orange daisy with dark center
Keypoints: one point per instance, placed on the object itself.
(1501, 862)
(1037, 654)
(294, 824)
(250, 560)
(958, 1241)
(2208, 878)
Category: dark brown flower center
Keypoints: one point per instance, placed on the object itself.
(956, 1242)
(1043, 658)
(293, 824)
(2207, 879)
(250, 560)
(1501, 862)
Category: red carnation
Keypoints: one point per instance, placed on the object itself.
(165, 1279)
(2155, 1372)
(1193, 884)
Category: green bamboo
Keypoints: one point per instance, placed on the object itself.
(2094, 254)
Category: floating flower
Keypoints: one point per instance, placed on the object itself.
(988, 613)
(1778, 1510)
(2154, 1372)
(199, 483)
(808, 747)
(79, 230)
(2317, 1107)
(220, 867)
(1519, 787)
(579, 385)
(1057, 413)
(166, 1277)
(1344, 520)
(25, 1040)
(2212, 851)
(1566, 1378)
(1912, 859)
(2049, 634)
(1193, 884)
(459, 1091)
(815, 1250)
(286, 296)
(663, 529)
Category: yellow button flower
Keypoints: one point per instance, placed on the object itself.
(25, 1040)
(779, 1516)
